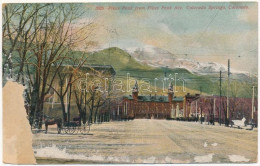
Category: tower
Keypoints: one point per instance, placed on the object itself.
(170, 92)
(135, 91)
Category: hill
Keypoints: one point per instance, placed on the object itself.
(124, 63)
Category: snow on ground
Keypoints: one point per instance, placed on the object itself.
(203, 159)
(237, 158)
(53, 152)
(214, 144)
(147, 141)
(205, 145)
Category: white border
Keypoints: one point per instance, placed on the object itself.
(88, 1)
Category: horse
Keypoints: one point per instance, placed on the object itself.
(57, 121)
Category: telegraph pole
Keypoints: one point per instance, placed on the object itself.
(196, 110)
(200, 106)
(165, 71)
(253, 96)
(228, 94)
(220, 88)
(214, 110)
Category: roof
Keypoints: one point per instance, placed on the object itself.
(128, 97)
(178, 99)
(108, 68)
(154, 98)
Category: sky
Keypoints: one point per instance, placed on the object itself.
(205, 35)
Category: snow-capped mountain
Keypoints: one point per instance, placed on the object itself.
(160, 58)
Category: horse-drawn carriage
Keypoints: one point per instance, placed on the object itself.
(71, 127)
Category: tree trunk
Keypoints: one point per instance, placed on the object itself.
(95, 116)
(34, 101)
(40, 113)
(69, 102)
(63, 110)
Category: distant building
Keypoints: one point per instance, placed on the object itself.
(149, 107)
(214, 107)
(52, 104)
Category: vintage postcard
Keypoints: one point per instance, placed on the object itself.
(130, 82)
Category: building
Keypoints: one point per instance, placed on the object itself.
(148, 107)
(214, 107)
(52, 104)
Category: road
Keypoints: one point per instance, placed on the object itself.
(148, 141)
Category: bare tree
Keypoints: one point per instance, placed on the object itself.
(17, 23)
(94, 94)
(67, 75)
(43, 35)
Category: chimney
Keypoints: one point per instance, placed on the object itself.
(135, 91)
(170, 92)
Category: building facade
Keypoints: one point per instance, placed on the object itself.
(52, 105)
(149, 107)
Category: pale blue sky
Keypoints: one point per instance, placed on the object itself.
(205, 35)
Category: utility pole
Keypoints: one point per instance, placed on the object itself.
(196, 110)
(201, 112)
(200, 106)
(165, 71)
(214, 110)
(253, 98)
(220, 89)
(228, 120)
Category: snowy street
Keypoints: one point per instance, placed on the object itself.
(148, 141)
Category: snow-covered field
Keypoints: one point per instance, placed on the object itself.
(148, 141)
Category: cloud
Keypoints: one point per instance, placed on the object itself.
(222, 39)
(250, 15)
(165, 28)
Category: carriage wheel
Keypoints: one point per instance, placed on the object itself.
(85, 129)
(67, 129)
(78, 129)
(72, 129)
(59, 130)
(62, 130)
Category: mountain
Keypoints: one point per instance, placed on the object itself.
(125, 63)
(157, 57)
